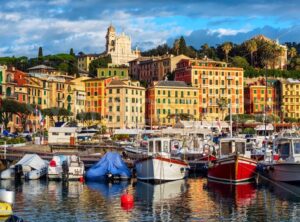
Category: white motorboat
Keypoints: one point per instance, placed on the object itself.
(159, 166)
(287, 168)
(31, 167)
(63, 167)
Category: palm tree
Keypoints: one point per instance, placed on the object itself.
(222, 104)
(226, 47)
(251, 47)
(293, 52)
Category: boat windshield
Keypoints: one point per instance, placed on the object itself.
(151, 146)
(158, 146)
(297, 147)
(284, 150)
(240, 147)
(226, 148)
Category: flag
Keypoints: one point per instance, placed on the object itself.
(36, 111)
(41, 118)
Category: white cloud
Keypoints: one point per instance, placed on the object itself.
(227, 32)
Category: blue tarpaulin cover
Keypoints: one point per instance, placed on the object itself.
(112, 163)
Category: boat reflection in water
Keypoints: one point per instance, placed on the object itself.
(71, 189)
(163, 200)
(109, 190)
(241, 195)
(285, 191)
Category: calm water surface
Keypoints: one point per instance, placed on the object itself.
(192, 200)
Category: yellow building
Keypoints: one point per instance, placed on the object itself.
(125, 104)
(84, 61)
(290, 90)
(168, 100)
(216, 82)
(121, 72)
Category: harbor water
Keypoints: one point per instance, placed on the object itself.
(195, 199)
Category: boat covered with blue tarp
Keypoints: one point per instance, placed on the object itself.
(109, 167)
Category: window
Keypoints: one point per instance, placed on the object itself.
(118, 118)
(196, 81)
(54, 134)
(118, 90)
(158, 146)
(110, 108)
(118, 108)
(297, 148)
(68, 134)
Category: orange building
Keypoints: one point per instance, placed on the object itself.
(96, 95)
(216, 82)
(260, 98)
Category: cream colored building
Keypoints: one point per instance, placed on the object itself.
(119, 47)
(79, 94)
(125, 104)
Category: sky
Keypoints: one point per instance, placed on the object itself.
(58, 25)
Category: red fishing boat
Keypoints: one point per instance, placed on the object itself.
(234, 163)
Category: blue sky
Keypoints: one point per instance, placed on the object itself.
(58, 25)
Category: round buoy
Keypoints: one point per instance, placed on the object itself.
(127, 201)
(81, 179)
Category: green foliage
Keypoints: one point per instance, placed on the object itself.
(243, 118)
(88, 116)
(291, 120)
(158, 51)
(295, 63)
(10, 141)
(40, 53)
(241, 62)
(60, 113)
(10, 107)
(99, 63)
(252, 73)
(248, 131)
(122, 137)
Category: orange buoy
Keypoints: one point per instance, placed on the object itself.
(127, 201)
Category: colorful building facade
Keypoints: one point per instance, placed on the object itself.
(121, 72)
(169, 100)
(125, 104)
(216, 82)
(260, 98)
(96, 95)
(290, 106)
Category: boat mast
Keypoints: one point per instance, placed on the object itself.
(230, 115)
(265, 113)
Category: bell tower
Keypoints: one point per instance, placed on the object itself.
(110, 39)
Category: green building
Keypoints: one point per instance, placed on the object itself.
(111, 71)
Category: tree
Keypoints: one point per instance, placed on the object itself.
(293, 52)
(251, 47)
(226, 47)
(241, 62)
(99, 63)
(7, 110)
(24, 111)
(222, 104)
(182, 48)
(40, 53)
(88, 118)
(72, 52)
(60, 113)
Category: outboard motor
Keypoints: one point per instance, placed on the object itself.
(18, 171)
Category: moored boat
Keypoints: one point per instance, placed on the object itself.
(233, 163)
(159, 166)
(287, 168)
(31, 167)
(63, 167)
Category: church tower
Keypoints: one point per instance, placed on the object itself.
(110, 39)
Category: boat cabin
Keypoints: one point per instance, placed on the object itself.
(289, 149)
(159, 145)
(232, 145)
